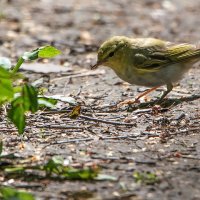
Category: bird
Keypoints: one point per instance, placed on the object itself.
(148, 62)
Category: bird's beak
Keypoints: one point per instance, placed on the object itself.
(97, 64)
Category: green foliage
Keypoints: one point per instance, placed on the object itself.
(23, 97)
(15, 170)
(27, 101)
(1, 147)
(46, 102)
(48, 52)
(17, 114)
(6, 88)
(56, 166)
(29, 95)
(145, 177)
(8, 193)
(42, 52)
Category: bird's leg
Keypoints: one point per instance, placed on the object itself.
(169, 89)
(137, 98)
(146, 92)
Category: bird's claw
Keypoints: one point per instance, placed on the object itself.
(128, 102)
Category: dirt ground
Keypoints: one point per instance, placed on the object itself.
(163, 141)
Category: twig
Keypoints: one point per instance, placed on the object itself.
(8, 130)
(166, 103)
(190, 157)
(73, 140)
(121, 137)
(106, 121)
(148, 110)
(124, 196)
(58, 127)
(76, 140)
(149, 134)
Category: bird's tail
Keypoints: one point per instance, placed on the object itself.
(192, 53)
(198, 49)
(198, 45)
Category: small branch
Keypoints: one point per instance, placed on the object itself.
(58, 127)
(8, 130)
(167, 102)
(73, 140)
(190, 157)
(106, 121)
(136, 137)
(76, 140)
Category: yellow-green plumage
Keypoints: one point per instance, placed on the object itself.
(147, 61)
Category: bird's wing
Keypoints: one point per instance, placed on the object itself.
(182, 52)
(152, 58)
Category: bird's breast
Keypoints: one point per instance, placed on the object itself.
(162, 76)
(133, 77)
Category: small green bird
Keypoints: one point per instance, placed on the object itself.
(147, 61)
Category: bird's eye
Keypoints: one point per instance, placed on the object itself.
(111, 54)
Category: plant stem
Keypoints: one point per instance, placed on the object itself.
(18, 65)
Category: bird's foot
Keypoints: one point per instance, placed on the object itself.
(137, 99)
(128, 102)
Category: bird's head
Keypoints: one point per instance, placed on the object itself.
(109, 52)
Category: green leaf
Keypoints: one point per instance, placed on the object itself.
(8, 193)
(17, 114)
(4, 73)
(33, 55)
(30, 101)
(42, 52)
(5, 63)
(48, 52)
(56, 166)
(17, 90)
(25, 101)
(6, 89)
(65, 99)
(46, 102)
(1, 147)
(145, 177)
(80, 174)
(14, 170)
